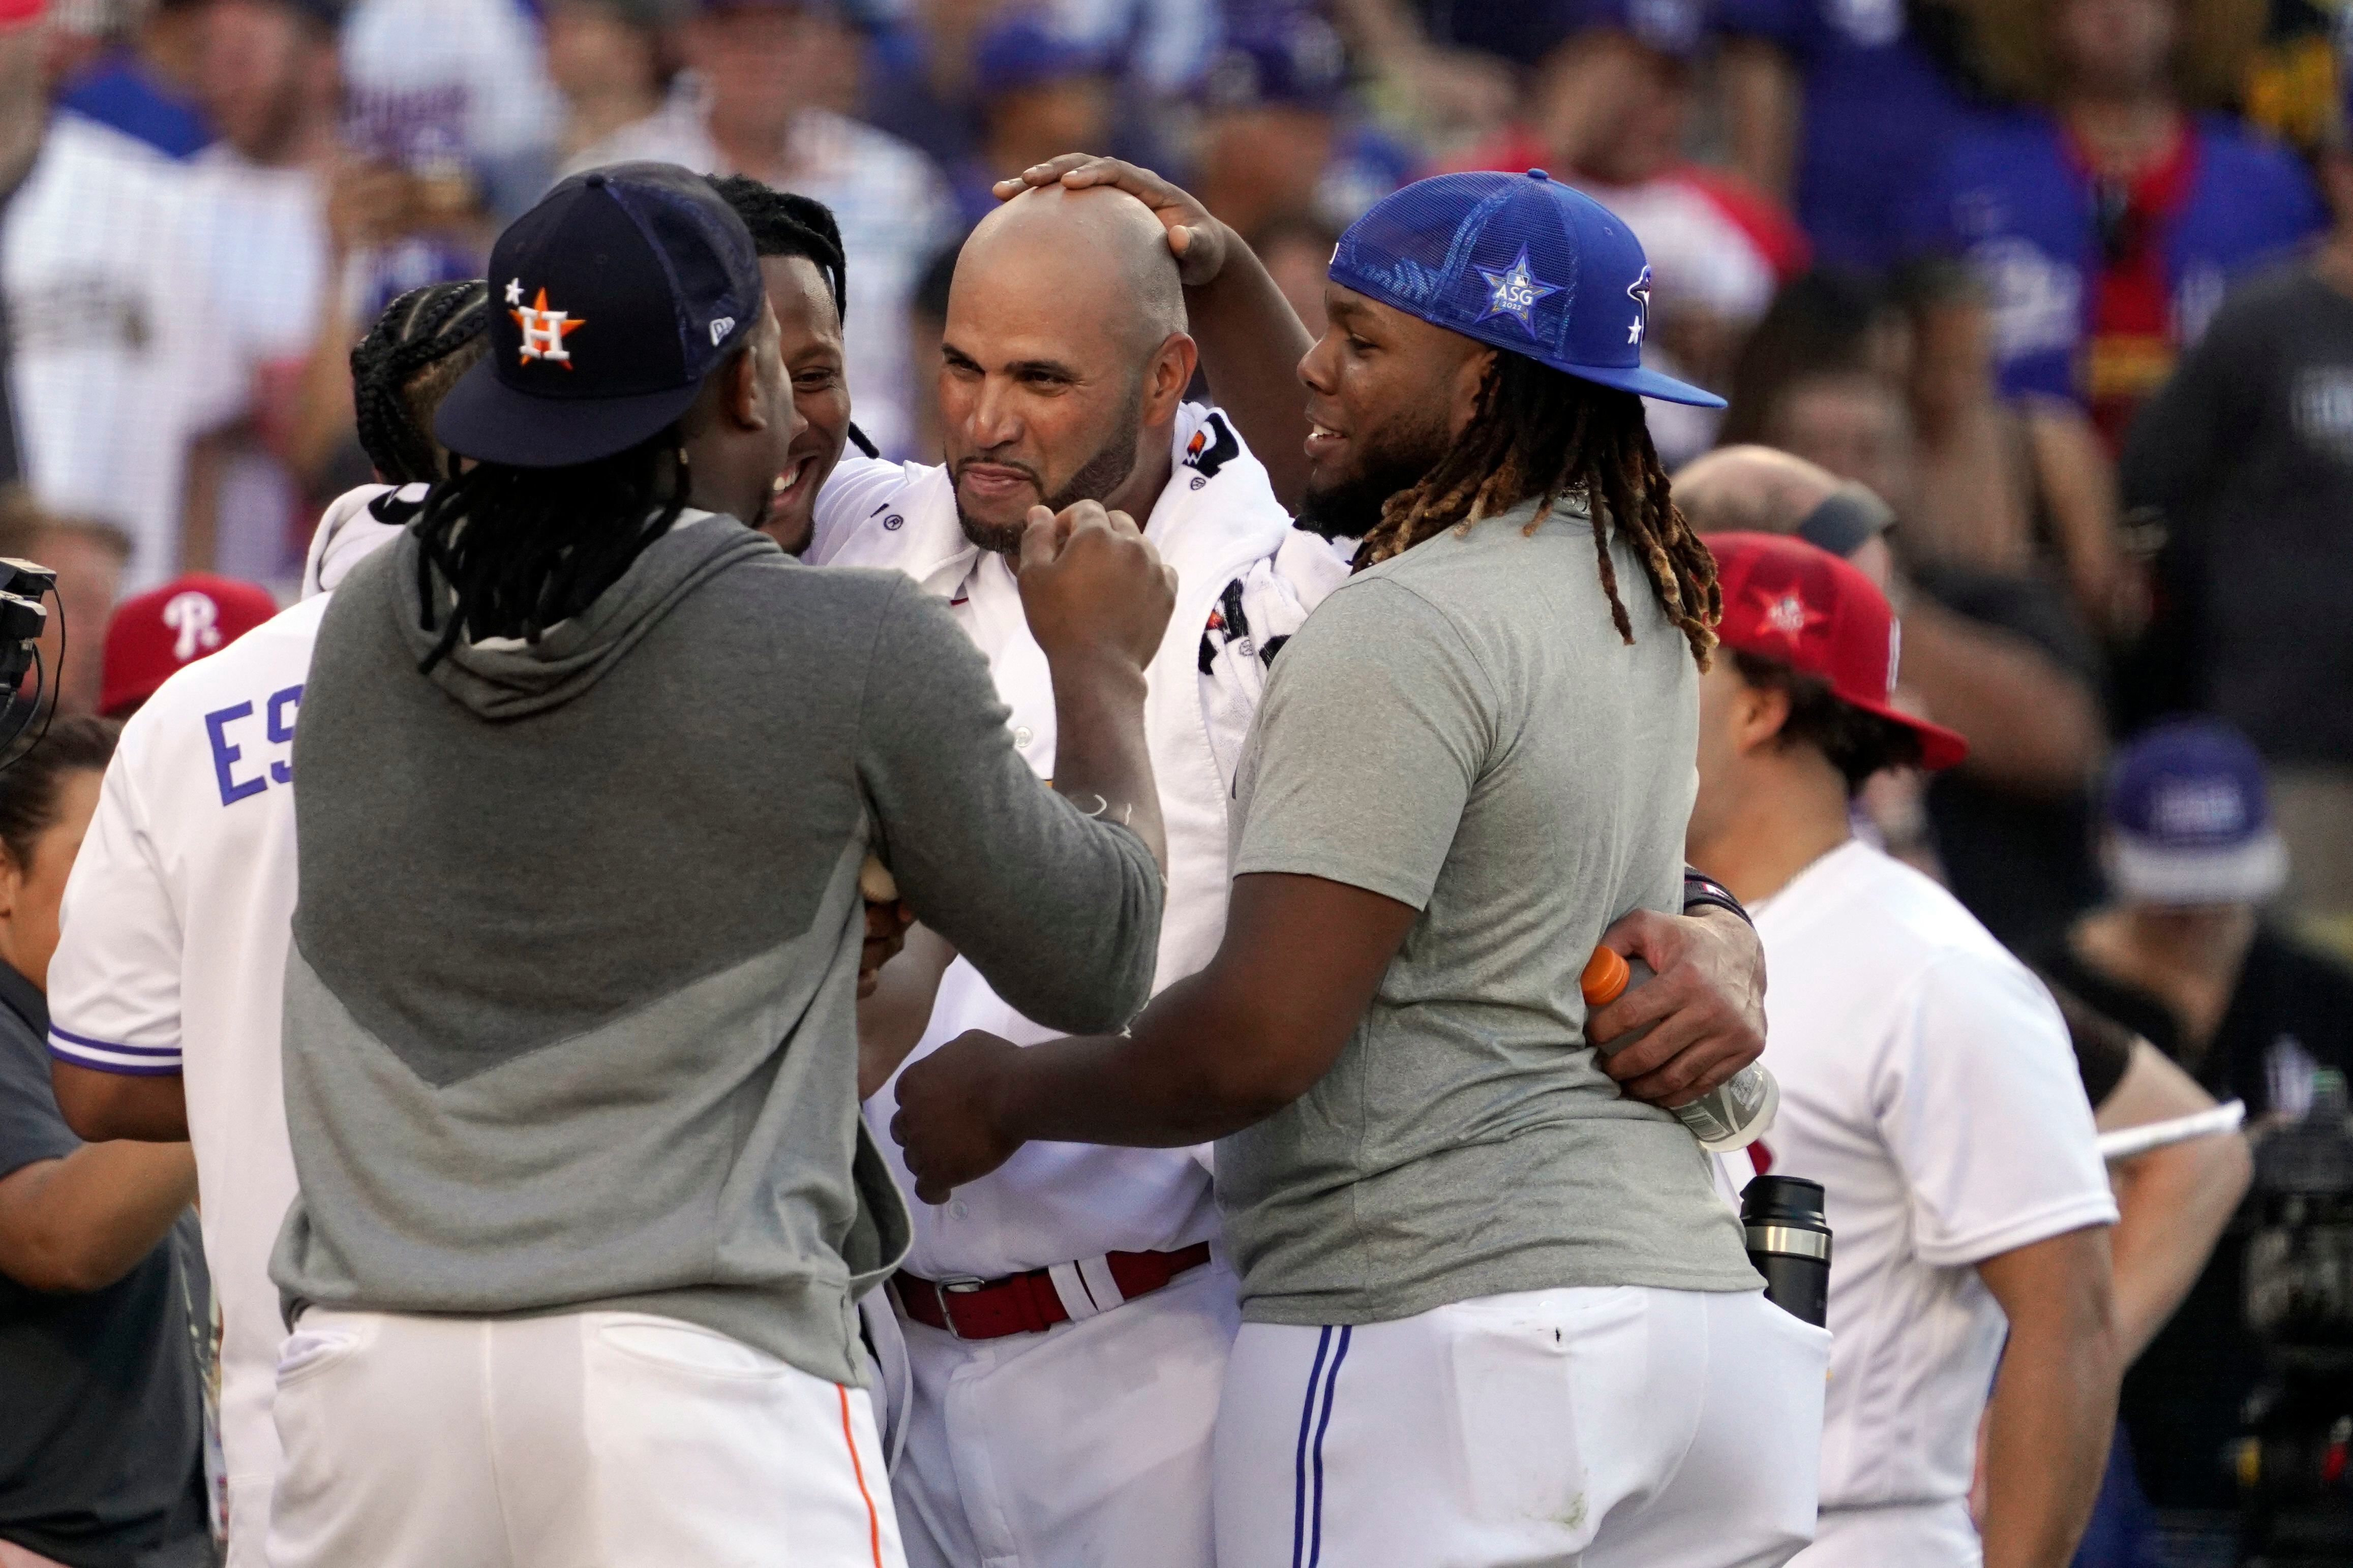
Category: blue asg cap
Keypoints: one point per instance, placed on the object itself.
(2188, 821)
(611, 301)
(1519, 262)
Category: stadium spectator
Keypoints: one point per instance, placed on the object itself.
(612, 61)
(101, 1292)
(2109, 224)
(140, 79)
(1036, 94)
(928, 324)
(2246, 456)
(1927, 1081)
(1609, 109)
(455, 93)
(88, 557)
(1278, 135)
(153, 635)
(743, 112)
(2182, 956)
(2003, 655)
(270, 82)
(1841, 108)
(113, 361)
(2015, 486)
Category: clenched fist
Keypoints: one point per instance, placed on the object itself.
(1092, 584)
(950, 1117)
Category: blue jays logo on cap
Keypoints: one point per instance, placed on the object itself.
(1515, 292)
(1638, 291)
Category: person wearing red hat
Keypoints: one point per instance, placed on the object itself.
(153, 635)
(1927, 1083)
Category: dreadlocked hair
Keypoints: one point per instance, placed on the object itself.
(508, 551)
(420, 345)
(783, 223)
(1542, 434)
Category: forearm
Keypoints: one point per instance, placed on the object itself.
(81, 1223)
(2052, 1413)
(1251, 343)
(1102, 761)
(891, 1021)
(105, 1106)
(1170, 1082)
(2175, 1203)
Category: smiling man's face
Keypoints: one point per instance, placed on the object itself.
(809, 342)
(1383, 403)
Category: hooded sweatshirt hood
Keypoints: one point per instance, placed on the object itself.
(507, 678)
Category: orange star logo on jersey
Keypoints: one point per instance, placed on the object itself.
(544, 331)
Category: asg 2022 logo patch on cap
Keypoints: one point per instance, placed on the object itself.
(1515, 292)
(543, 329)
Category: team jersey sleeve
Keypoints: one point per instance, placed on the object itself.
(114, 984)
(1979, 1104)
(853, 492)
(1255, 616)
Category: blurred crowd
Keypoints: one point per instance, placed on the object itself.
(2067, 284)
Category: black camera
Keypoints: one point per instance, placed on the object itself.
(23, 616)
(2295, 1463)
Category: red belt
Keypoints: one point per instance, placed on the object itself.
(1033, 1302)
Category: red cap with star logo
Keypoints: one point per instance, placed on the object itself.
(1800, 606)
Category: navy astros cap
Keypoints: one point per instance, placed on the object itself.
(611, 301)
(1519, 262)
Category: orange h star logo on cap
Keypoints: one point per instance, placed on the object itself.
(544, 331)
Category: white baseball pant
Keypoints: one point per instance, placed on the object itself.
(1604, 1428)
(1905, 1535)
(1083, 1447)
(585, 1440)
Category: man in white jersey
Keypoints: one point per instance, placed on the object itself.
(1067, 359)
(1927, 1083)
(167, 988)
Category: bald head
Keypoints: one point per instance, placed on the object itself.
(1098, 255)
(1751, 490)
(1064, 363)
(1763, 489)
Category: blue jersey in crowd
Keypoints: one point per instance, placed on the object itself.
(2014, 200)
(1878, 114)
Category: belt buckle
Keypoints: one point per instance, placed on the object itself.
(957, 1285)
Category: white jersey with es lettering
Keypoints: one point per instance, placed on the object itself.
(1927, 1083)
(172, 958)
(1087, 1443)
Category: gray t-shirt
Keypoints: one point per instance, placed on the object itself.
(1462, 730)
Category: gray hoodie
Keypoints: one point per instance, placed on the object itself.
(570, 1008)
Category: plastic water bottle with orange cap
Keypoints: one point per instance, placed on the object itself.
(1735, 1114)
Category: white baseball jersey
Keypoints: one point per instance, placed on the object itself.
(1927, 1083)
(172, 958)
(114, 360)
(1219, 524)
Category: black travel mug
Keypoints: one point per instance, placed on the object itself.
(1789, 1243)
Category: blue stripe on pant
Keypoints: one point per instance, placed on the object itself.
(1306, 1519)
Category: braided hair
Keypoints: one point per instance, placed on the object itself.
(785, 223)
(1542, 434)
(517, 550)
(418, 348)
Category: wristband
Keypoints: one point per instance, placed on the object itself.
(1700, 891)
